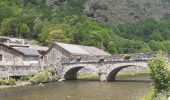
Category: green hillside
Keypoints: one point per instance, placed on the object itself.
(90, 23)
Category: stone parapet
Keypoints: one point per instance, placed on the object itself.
(113, 58)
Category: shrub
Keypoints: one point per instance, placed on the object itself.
(159, 74)
(26, 77)
(39, 77)
(6, 81)
(50, 69)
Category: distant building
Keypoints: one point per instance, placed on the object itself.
(19, 42)
(18, 55)
(62, 50)
(12, 40)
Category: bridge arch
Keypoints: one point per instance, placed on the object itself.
(70, 72)
(111, 75)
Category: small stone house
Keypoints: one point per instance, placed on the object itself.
(63, 50)
(18, 55)
(12, 40)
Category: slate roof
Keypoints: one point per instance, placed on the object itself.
(27, 51)
(4, 45)
(83, 50)
(95, 51)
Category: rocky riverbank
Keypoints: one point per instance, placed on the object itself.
(42, 76)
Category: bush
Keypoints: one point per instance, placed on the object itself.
(6, 81)
(26, 77)
(39, 77)
(159, 74)
(50, 69)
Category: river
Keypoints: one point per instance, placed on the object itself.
(129, 88)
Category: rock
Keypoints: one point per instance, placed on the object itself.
(40, 84)
(61, 80)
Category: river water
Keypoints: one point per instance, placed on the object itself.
(131, 88)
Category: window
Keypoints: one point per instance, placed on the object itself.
(1, 57)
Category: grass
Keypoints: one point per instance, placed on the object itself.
(87, 76)
(120, 75)
(125, 74)
(150, 96)
(18, 84)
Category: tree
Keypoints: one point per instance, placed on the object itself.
(156, 45)
(156, 36)
(25, 30)
(10, 26)
(131, 46)
(112, 47)
(57, 36)
(167, 45)
(159, 73)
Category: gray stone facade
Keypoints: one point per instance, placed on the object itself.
(54, 55)
(11, 70)
(10, 56)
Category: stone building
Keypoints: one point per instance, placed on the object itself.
(62, 50)
(13, 41)
(20, 42)
(18, 56)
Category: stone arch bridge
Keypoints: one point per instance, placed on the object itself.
(106, 67)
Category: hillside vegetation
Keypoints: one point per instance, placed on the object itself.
(89, 22)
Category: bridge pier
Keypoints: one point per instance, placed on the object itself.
(103, 77)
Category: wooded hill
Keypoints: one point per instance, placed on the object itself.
(118, 26)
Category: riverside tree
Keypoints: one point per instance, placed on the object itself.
(159, 73)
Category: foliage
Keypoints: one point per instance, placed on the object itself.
(42, 76)
(96, 6)
(26, 77)
(159, 74)
(7, 81)
(149, 95)
(39, 77)
(35, 20)
(50, 69)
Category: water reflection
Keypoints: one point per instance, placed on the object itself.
(81, 90)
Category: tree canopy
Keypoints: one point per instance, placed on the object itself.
(35, 20)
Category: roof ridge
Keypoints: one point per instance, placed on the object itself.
(73, 44)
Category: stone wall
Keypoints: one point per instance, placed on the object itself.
(6, 71)
(31, 58)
